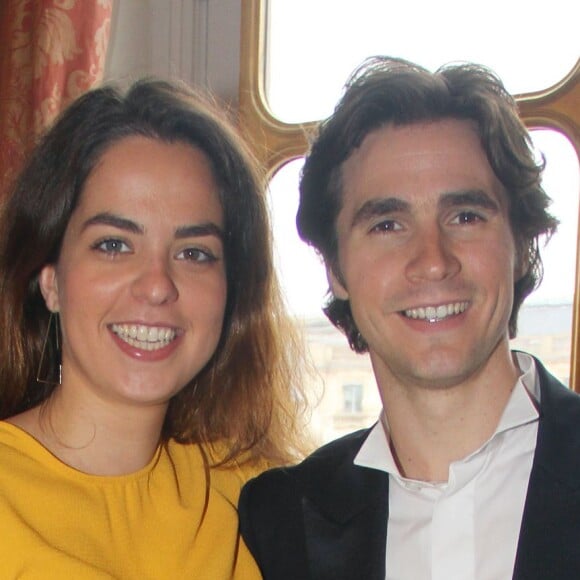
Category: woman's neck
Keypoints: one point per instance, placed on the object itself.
(97, 438)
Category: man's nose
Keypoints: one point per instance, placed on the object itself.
(432, 256)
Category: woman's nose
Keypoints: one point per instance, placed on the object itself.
(155, 284)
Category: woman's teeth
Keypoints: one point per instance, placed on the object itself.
(436, 313)
(144, 337)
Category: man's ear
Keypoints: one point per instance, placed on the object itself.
(336, 285)
(49, 287)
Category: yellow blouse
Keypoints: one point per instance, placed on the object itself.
(57, 523)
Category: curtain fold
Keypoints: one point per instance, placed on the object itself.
(51, 51)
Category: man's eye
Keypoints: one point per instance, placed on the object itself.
(467, 217)
(112, 246)
(386, 226)
(196, 255)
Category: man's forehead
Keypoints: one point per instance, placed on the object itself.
(414, 138)
(435, 157)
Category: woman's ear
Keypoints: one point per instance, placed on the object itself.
(49, 287)
(336, 285)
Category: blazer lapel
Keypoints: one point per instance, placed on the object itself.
(550, 533)
(345, 512)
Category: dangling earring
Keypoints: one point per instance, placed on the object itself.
(52, 321)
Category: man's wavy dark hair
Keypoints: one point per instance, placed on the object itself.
(393, 91)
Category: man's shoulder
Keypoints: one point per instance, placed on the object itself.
(555, 397)
(346, 446)
(319, 466)
(326, 509)
(334, 453)
(558, 444)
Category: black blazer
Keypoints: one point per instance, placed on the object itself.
(326, 518)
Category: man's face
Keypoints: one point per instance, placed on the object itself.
(426, 256)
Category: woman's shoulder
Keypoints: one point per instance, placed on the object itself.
(16, 441)
(225, 477)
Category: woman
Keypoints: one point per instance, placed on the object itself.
(143, 378)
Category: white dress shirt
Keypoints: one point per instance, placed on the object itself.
(468, 527)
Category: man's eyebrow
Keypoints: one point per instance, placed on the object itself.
(377, 207)
(110, 219)
(473, 197)
(199, 230)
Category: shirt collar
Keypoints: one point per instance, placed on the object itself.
(521, 408)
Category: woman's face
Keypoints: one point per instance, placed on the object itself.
(140, 284)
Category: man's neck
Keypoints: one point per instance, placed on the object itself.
(430, 428)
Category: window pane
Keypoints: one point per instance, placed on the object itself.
(352, 395)
(304, 283)
(299, 267)
(545, 320)
(313, 45)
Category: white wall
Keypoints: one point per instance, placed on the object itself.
(194, 40)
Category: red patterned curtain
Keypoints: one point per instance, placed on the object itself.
(51, 51)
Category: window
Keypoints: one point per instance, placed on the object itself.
(275, 80)
(352, 396)
(312, 46)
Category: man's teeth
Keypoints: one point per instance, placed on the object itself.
(436, 313)
(144, 337)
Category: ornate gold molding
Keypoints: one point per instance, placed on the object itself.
(557, 107)
(274, 142)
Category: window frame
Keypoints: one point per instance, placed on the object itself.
(275, 143)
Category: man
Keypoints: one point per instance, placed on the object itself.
(422, 194)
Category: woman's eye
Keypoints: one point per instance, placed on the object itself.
(112, 246)
(196, 255)
(467, 217)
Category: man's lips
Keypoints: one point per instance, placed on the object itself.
(436, 313)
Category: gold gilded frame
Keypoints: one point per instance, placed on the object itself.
(275, 143)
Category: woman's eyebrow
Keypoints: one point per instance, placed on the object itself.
(188, 231)
(198, 230)
(116, 221)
